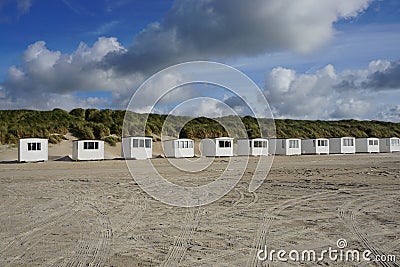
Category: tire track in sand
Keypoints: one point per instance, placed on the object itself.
(137, 208)
(243, 202)
(102, 249)
(17, 196)
(268, 217)
(229, 209)
(93, 246)
(181, 243)
(32, 234)
(94, 249)
(348, 215)
(239, 205)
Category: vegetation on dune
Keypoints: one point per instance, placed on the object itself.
(319, 129)
(202, 128)
(108, 125)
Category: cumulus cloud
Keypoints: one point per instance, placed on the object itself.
(46, 74)
(238, 105)
(207, 107)
(327, 94)
(385, 77)
(304, 95)
(49, 78)
(379, 76)
(349, 107)
(390, 114)
(155, 95)
(220, 29)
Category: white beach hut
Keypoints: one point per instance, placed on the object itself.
(367, 145)
(217, 147)
(252, 147)
(315, 146)
(87, 150)
(137, 147)
(33, 149)
(389, 144)
(343, 145)
(287, 147)
(179, 148)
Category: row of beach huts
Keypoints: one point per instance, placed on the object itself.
(36, 149)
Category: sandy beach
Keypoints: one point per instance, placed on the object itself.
(94, 214)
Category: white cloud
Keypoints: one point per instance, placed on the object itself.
(351, 108)
(38, 58)
(2, 92)
(160, 90)
(46, 75)
(224, 29)
(304, 95)
(392, 113)
(281, 79)
(378, 65)
(97, 52)
(326, 94)
(206, 107)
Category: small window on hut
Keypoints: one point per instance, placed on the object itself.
(91, 145)
(224, 144)
(34, 146)
(348, 142)
(135, 143)
(148, 143)
(293, 143)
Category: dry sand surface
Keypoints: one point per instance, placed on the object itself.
(94, 214)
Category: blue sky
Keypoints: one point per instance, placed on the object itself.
(332, 59)
(64, 24)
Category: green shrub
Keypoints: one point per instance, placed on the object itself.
(83, 132)
(100, 131)
(78, 112)
(112, 140)
(55, 138)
